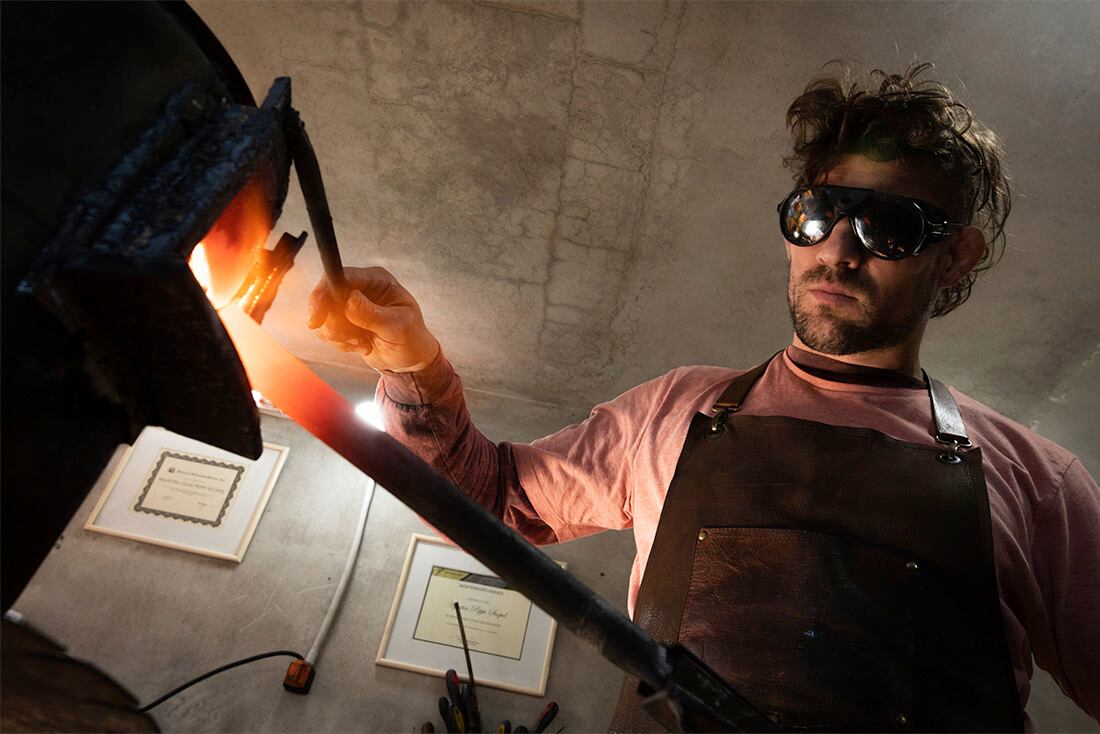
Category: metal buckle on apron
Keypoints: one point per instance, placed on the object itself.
(950, 429)
(955, 446)
(718, 420)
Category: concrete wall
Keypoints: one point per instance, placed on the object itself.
(582, 197)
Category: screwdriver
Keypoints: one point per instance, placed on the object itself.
(546, 716)
(445, 712)
(454, 690)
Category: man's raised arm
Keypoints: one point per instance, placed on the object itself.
(422, 400)
(426, 411)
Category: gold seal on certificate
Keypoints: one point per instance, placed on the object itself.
(494, 614)
(190, 488)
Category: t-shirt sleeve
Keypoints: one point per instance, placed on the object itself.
(426, 411)
(572, 483)
(582, 478)
(1066, 554)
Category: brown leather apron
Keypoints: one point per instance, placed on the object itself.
(839, 579)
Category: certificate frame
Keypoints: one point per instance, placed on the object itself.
(134, 505)
(431, 561)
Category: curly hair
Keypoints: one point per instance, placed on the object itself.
(907, 118)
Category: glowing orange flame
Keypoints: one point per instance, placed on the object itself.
(199, 266)
(224, 256)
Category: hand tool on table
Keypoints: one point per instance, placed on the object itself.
(546, 717)
(445, 712)
(454, 691)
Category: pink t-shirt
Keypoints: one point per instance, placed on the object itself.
(612, 471)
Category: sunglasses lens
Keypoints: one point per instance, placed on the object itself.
(888, 228)
(806, 217)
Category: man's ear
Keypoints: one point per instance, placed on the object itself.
(964, 250)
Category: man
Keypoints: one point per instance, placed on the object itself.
(851, 544)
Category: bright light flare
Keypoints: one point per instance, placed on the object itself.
(200, 267)
(288, 383)
(369, 411)
(813, 228)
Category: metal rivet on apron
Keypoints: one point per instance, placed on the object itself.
(903, 719)
(702, 535)
(912, 566)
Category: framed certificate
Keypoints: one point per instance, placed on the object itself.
(510, 639)
(171, 490)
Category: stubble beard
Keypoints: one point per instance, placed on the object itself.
(873, 326)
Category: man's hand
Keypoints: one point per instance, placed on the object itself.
(380, 320)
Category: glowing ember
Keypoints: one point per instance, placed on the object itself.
(229, 248)
(296, 390)
(200, 267)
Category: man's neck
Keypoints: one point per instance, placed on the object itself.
(902, 358)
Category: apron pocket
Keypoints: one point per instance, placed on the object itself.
(814, 628)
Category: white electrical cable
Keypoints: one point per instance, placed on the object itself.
(342, 587)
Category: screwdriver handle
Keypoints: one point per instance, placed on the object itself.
(445, 712)
(546, 716)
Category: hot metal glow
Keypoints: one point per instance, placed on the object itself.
(200, 267)
(295, 389)
(231, 245)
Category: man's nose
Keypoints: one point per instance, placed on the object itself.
(841, 249)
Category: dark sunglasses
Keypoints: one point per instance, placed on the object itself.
(889, 226)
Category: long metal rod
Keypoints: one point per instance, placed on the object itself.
(318, 408)
(313, 191)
